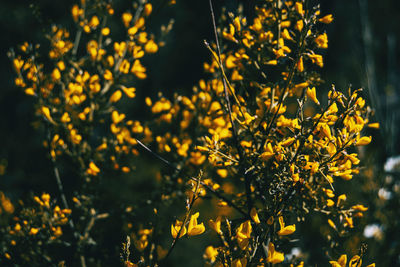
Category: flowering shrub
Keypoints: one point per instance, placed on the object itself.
(255, 141)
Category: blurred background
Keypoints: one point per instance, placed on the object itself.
(364, 42)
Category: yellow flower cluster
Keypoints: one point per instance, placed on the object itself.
(282, 155)
(355, 261)
(73, 94)
(40, 223)
(255, 127)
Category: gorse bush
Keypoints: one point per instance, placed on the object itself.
(253, 152)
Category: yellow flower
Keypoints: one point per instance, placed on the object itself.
(363, 141)
(356, 261)
(230, 62)
(247, 119)
(359, 207)
(46, 199)
(311, 93)
(65, 118)
(332, 109)
(239, 262)
(328, 192)
(105, 31)
(285, 24)
(341, 262)
(286, 35)
(269, 153)
(230, 36)
(76, 12)
(193, 227)
(56, 75)
(326, 130)
(138, 70)
(322, 41)
(330, 203)
(236, 76)
(93, 169)
(61, 65)
(119, 48)
(197, 158)
(349, 222)
(331, 224)
(243, 233)
(327, 19)
(46, 113)
(151, 47)
(300, 65)
(148, 8)
(30, 91)
(254, 216)
(300, 86)
(17, 227)
(6, 203)
(299, 8)
(272, 62)
(341, 198)
(287, 142)
(124, 67)
(176, 228)
(108, 75)
(57, 231)
(312, 166)
(116, 96)
(130, 264)
(299, 25)
(130, 92)
(223, 173)
(116, 117)
(273, 255)
(286, 230)
(94, 22)
(33, 231)
(374, 125)
(317, 59)
(132, 30)
(75, 137)
(210, 253)
(139, 23)
(216, 225)
(126, 18)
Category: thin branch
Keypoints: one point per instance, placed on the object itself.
(234, 131)
(196, 191)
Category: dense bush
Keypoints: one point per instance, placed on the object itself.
(249, 166)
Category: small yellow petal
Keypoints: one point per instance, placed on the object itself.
(254, 215)
(130, 92)
(327, 19)
(46, 113)
(374, 125)
(363, 141)
(311, 93)
(116, 96)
